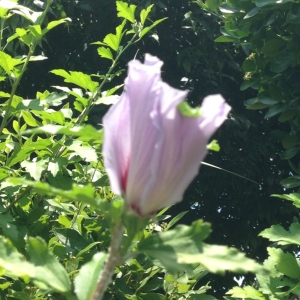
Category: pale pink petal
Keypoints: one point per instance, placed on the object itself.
(151, 151)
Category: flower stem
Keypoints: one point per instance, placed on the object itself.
(114, 259)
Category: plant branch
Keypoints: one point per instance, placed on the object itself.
(113, 260)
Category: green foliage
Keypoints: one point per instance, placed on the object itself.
(269, 33)
(182, 248)
(57, 210)
(88, 276)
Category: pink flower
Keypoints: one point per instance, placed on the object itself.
(151, 150)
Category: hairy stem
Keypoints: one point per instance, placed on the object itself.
(113, 260)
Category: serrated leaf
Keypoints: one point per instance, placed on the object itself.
(218, 259)
(114, 40)
(78, 78)
(247, 292)
(48, 270)
(286, 263)
(88, 276)
(27, 149)
(144, 13)
(182, 248)
(105, 52)
(165, 246)
(35, 169)
(50, 115)
(294, 197)
(126, 11)
(54, 99)
(277, 233)
(85, 152)
(56, 165)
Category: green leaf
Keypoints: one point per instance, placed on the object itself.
(182, 248)
(126, 11)
(78, 78)
(49, 273)
(225, 39)
(52, 99)
(213, 4)
(176, 219)
(286, 263)
(16, 126)
(56, 165)
(294, 197)
(27, 104)
(266, 100)
(166, 246)
(261, 3)
(55, 23)
(252, 12)
(29, 119)
(147, 29)
(247, 292)
(105, 52)
(288, 154)
(188, 111)
(50, 116)
(249, 65)
(277, 233)
(9, 229)
(85, 152)
(84, 133)
(213, 146)
(25, 151)
(281, 62)
(291, 182)
(72, 239)
(36, 31)
(114, 40)
(290, 141)
(35, 169)
(218, 259)
(272, 47)
(12, 262)
(7, 63)
(293, 15)
(88, 276)
(83, 194)
(274, 110)
(144, 13)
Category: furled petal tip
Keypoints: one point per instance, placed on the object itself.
(151, 150)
